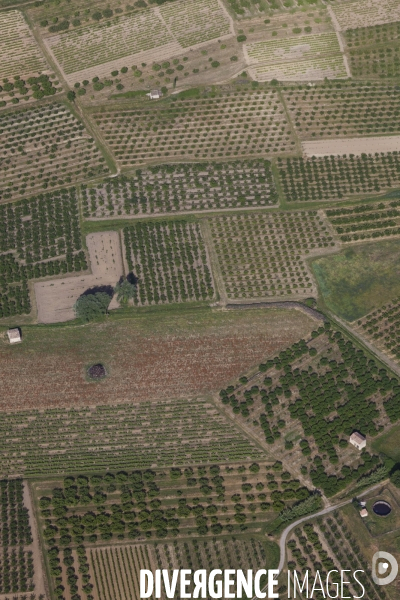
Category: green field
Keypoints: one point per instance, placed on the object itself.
(359, 279)
(389, 444)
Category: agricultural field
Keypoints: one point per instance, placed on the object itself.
(55, 299)
(382, 327)
(351, 146)
(309, 57)
(343, 109)
(315, 69)
(169, 432)
(199, 66)
(374, 52)
(366, 221)
(16, 556)
(116, 568)
(360, 278)
(97, 48)
(306, 401)
(329, 543)
(245, 8)
(182, 187)
(169, 262)
(365, 13)
(337, 177)
(264, 255)
(44, 147)
(39, 237)
(20, 55)
(246, 124)
(200, 501)
(153, 355)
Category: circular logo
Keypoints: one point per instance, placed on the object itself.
(384, 568)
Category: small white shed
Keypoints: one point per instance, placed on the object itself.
(14, 335)
(358, 440)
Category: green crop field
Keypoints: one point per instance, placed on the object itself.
(336, 177)
(164, 433)
(374, 51)
(367, 221)
(197, 129)
(183, 187)
(382, 327)
(360, 278)
(39, 237)
(344, 109)
(264, 255)
(44, 147)
(169, 261)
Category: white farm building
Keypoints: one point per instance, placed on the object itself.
(358, 440)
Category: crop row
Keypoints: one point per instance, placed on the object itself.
(263, 255)
(366, 221)
(117, 570)
(305, 47)
(141, 505)
(65, 441)
(364, 13)
(16, 571)
(19, 53)
(44, 147)
(235, 124)
(169, 262)
(14, 524)
(383, 326)
(11, 92)
(39, 236)
(335, 177)
(180, 25)
(329, 388)
(327, 544)
(344, 109)
(183, 187)
(318, 68)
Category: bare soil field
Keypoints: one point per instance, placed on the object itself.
(356, 146)
(56, 298)
(152, 356)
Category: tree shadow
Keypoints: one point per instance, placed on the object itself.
(105, 289)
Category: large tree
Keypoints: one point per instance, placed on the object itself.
(91, 306)
(125, 290)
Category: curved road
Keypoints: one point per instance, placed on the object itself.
(324, 511)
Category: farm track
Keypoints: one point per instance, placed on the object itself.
(296, 305)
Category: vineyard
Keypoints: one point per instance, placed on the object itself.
(315, 69)
(19, 53)
(16, 562)
(378, 62)
(116, 570)
(44, 147)
(38, 237)
(344, 109)
(230, 125)
(297, 58)
(336, 177)
(147, 34)
(365, 13)
(307, 401)
(195, 22)
(169, 261)
(367, 221)
(327, 544)
(382, 326)
(263, 255)
(57, 441)
(182, 187)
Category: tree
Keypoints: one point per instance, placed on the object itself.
(125, 290)
(395, 478)
(71, 95)
(91, 306)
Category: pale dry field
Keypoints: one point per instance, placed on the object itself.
(55, 298)
(356, 146)
(19, 53)
(365, 13)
